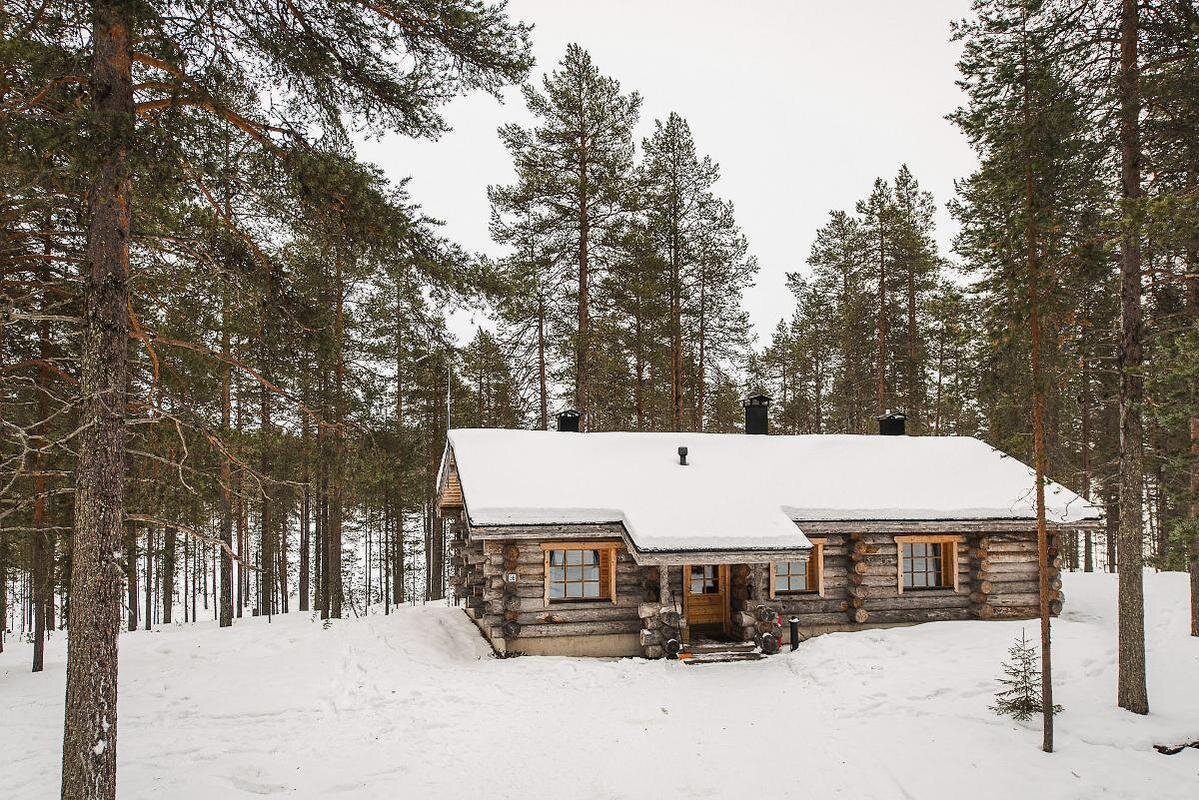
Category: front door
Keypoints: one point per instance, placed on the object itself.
(706, 599)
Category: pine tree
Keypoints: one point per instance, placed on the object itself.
(574, 171)
(1020, 697)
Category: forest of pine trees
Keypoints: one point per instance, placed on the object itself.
(225, 367)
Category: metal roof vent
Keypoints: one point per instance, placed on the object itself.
(683, 456)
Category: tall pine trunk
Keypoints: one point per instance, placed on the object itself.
(582, 344)
(1032, 256)
(1132, 694)
(167, 574)
(225, 616)
(1193, 544)
(89, 752)
(883, 323)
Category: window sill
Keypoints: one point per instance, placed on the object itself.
(929, 590)
(597, 602)
(798, 593)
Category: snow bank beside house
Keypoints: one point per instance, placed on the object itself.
(412, 705)
(738, 491)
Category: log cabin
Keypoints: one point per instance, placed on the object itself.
(698, 545)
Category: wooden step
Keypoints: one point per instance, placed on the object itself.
(723, 658)
(721, 647)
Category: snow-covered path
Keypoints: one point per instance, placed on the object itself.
(412, 705)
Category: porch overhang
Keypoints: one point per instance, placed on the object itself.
(657, 558)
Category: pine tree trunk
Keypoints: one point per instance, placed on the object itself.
(266, 538)
(542, 383)
(1032, 256)
(1088, 556)
(305, 524)
(148, 588)
(89, 753)
(1132, 694)
(914, 405)
(582, 361)
(167, 574)
(43, 544)
(3, 589)
(1193, 544)
(883, 322)
(225, 618)
(336, 478)
(131, 590)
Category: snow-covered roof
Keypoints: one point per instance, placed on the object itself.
(737, 491)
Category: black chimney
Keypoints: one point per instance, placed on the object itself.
(757, 414)
(568, 420)
(683, 456)
(893, 423)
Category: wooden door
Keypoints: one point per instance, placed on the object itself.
(706, 597)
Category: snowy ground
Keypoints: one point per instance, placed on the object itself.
(412, 706)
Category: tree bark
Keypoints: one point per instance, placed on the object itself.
(89, 752)
(225, 617)
(167, 574)
(1132, 693)
(582, 344)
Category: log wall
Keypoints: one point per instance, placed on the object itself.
(996, 573)
(997, 578)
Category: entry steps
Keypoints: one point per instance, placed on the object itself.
(708, 652)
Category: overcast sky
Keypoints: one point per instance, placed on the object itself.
(801, 103)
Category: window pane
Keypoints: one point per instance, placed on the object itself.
(557, 556)
(557, 574)
(590, 556)
(591, 573)
(574, 556)
(557, 590)
(574, 590)
(574, 573)
(591, 589)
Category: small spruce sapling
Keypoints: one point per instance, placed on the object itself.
(1020, 696)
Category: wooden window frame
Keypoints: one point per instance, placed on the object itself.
(607, 551)
(815, 574)
(949, 561)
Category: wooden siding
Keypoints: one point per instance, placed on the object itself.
(502, 583)
(451, 489)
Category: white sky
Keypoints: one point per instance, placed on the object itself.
(801, 103)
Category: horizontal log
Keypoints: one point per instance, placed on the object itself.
(1008, 599)
(922, 615)
(562, 615)
(984, 611)
(577, 629)
(1016, 587)
(1014, 612)
(919, 602)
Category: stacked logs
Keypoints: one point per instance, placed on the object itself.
(979, 553)
(1057, 598)
(661, 630)
(855, 573)
(509, 601)
(761, 625)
